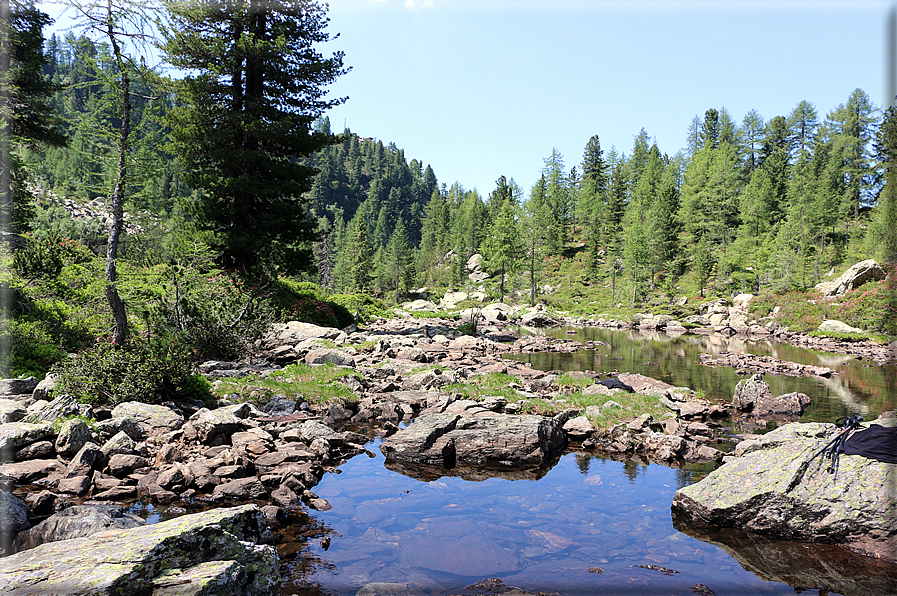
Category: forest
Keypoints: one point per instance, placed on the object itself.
(235, 175)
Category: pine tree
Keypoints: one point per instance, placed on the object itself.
(245, 121)
(502, 247)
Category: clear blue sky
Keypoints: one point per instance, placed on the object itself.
(484, 88)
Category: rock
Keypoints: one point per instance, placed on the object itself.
(64, 406)
(213, 427)
(27, 472)
(88, 458)
(833, 326)
(11, 411)
(243, 489)
(776, 489)
(578, 428)
(43, 389)
(293, 332)
(852, 278)
(76, 485)
(36, 450)
(122, 464)
(16, 435)
(76, 522)
(120, 443)
(153, 420)
(451, 300)
(752, 395)
(420, 305)
(537, 319)
(214, 552)
(327, 355)
(17, 386)
(13, 519)
(73, 434)
(279, 406)
(489, 438)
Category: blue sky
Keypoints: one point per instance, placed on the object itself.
(484, 88)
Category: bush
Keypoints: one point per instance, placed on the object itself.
(147, 371)
(48, 255)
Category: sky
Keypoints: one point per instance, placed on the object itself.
(483, 88)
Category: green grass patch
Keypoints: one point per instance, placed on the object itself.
(634, 405)
(318, 385)
(488, 384)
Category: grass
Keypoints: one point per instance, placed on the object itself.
(318, 385)
(486, 385)
(633, 405)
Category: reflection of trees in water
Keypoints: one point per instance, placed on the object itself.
(860, 387)
(583, 462)
(295, 540)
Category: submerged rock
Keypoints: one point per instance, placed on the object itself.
(214, 552)
(777, 487)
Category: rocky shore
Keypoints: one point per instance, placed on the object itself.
(58, 454)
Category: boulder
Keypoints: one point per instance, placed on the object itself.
(537, 319)
(64, 406)
(327, 355)
(45, 387)
(779, 488)
(420, 305)
(213, 427)
(834, 326)
(451, 300)
(852, 278)
(293, 332)
(73, 434)
(153, 420)
(213, 552)
(752, 396)
(11, 411)
(16, 435)
(13, 518)
(76, 522)
(17, 386)
(488, 438)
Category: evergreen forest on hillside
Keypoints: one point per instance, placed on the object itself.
(237, 205)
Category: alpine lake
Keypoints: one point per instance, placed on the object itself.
(584, 524)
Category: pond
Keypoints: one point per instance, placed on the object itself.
(583, 525)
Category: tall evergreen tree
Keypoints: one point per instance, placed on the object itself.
(245, 120)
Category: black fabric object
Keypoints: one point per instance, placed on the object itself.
(875, 442)
(616, 384)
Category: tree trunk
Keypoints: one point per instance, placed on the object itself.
(119, 316)
(5, 169)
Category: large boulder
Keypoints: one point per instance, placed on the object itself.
(152, 420)
(852, 278)
(752, 395)
(294, 332)
(213, 552)
(11, 411)
(834, 326)
(488, 438)
(16, 435)
(779, 488)
(13, 518)
(77, 521)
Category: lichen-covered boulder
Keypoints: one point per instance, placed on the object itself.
(219, 552)
(16, 435)
(752, 395)
(73, 434)
(13, 518)
(777, 487)
(852, 278)
(76, 522)
(152, 419)
(214, 427)
(11, 411)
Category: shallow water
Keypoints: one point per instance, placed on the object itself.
(553, 529)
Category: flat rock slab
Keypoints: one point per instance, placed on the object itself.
(766, 365)
(778, 488)
(144, 560)
(488, 438)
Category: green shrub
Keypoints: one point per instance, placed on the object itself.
(47, 256)
(147, 371)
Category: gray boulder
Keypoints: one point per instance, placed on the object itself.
(834, 326)
(73, 434)
(76, 522)
(17, 386)
(775, 488)
(852, 278)
(152, 419)
(214, 552)
(752, 396)
(13, 518)
(327, 355)
(214, 427)
(16, 435)
(11, 411)
(488, 438)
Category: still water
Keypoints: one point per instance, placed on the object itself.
(583, 525)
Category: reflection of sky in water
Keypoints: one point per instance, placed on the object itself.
(444, 535)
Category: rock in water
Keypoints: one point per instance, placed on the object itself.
(779, 488)
(213, 552)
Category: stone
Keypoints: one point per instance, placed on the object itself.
(62, 407)
(330, 356)
(242, 489)
(213, 427)
(488, 438)
(853, 278)
(76, 522)
(216, 552)
(294, 332)
(88, 458)
(279, 406)
(752, 396)
(73, 434)
(45, 388)
(834, 326)
(16, 435)
(153, 420)
(120, 443)
(26, 472)
(451, 300)
(122, 464)
(537, 319)
(13, 518)
(779, 488)
(420, 305)
(578, 428)
(76, 485)
(17, 386)
(11, 411)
